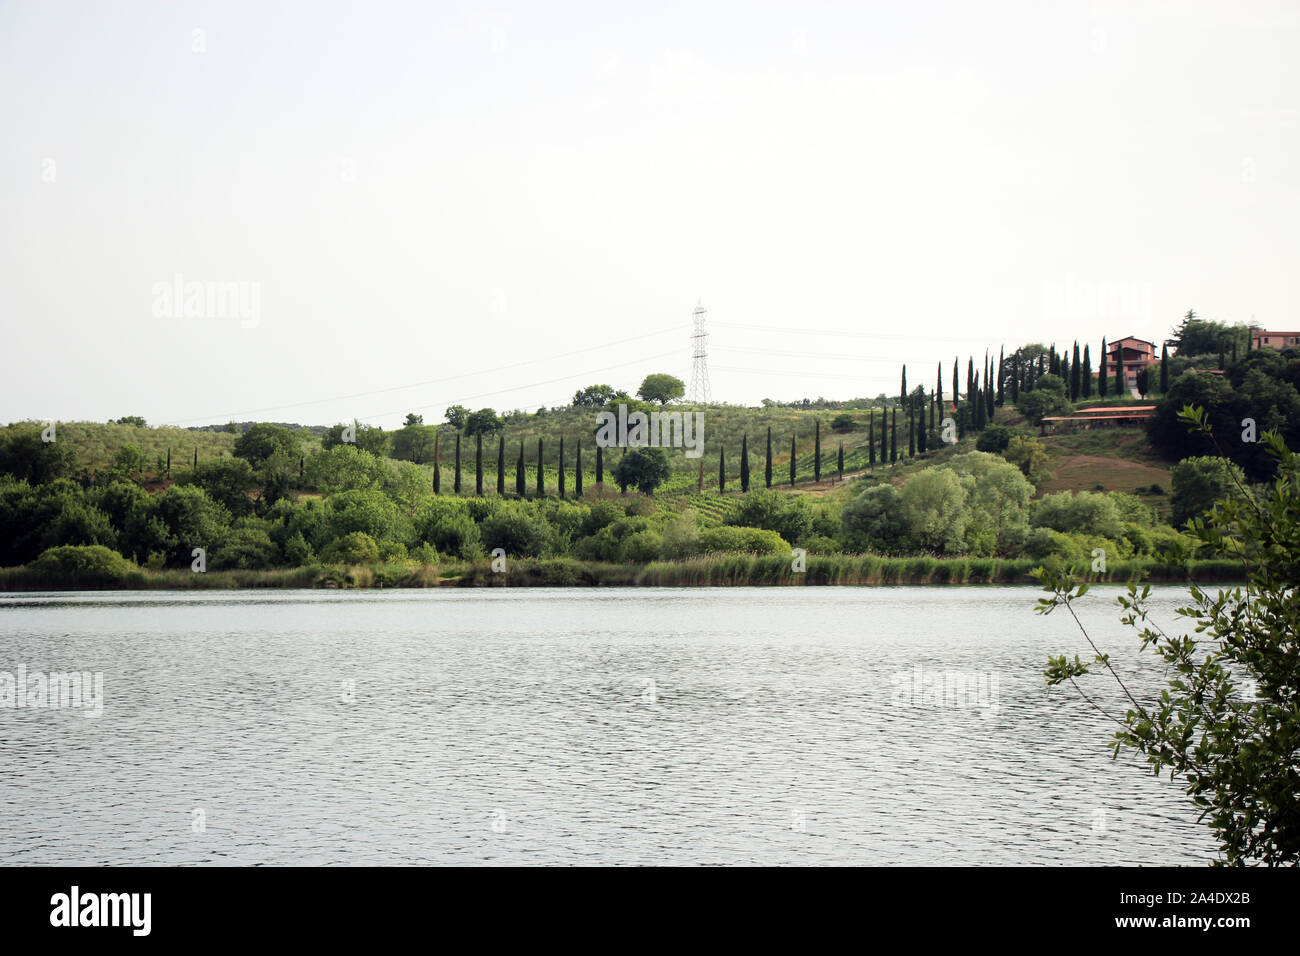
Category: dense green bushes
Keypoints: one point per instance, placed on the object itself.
(82, 564)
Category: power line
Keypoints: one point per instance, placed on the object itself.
(875, 360)
(504, 391)
(768, 371)
(434, 381)
(860, 335)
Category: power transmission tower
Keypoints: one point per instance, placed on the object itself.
(700, 393)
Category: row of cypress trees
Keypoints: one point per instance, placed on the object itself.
(767, 463)
(521, 469)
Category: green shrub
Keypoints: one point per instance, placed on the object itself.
(641, 547)
(249, 549)
(77, 563)
(753, 540)
(354, 548)
(516, 530)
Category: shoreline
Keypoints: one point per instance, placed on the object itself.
(739, 570)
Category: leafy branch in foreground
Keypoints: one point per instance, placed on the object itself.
(1228, 722)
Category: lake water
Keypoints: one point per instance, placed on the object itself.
(664, 726)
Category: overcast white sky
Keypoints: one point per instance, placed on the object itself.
(425, 190)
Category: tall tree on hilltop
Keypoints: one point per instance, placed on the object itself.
(541, 472)
(1120, 385)
(478, 464)
(456, 484)
(921, 430)
(1002, 374)
(938, 386)
(722, 468)
(989, 405)
(744, 463)
(1085, 377)
(577, 474)
(871, 438)
(521, 482)
(817, 448)
(437, 464)
(893, 436)
(840, 462)
(956, 396)
(501, 466)
(1164, 367)
(911, 431)
(1076, 377)
(560, 481)
(767, 465)
(792, 460)
(600, 466)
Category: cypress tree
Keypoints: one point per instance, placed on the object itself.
(1015, 379)
(988, 390)
(600, 465)
(817, 444)
(893, 437)
(169, 464)
(700, 486)
(970, 380)
(1119, 372)
(911, 433)
(1002, 375)
(478, 464)
(456, 485)
(1085, 377)
(871, 438)
(196, 457)
(938, 388)
(561, 480)
(839, 462)
(521, 482)
(767, 467)
(744, 463)
(722, 468)
(1222, 356)
(437, 470)
(1053, 362)
(1065, 372)
(920, 430)
(1164, 366)
(956, 397)
(577, 474)
(1076, 376)
(501, 466)
(541, 474)
(792, 459)
(1103, 376)
(884, 436)
(902, 387)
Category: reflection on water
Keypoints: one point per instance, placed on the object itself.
(748, 725)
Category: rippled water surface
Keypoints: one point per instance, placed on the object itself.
(749, 725)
